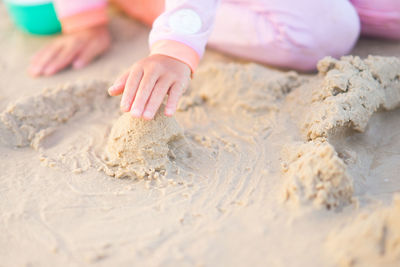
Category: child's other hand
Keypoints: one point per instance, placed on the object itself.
(145, 85)
(77, 49)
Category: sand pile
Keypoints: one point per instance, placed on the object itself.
(135, 148)
(234, 87)
(27, 121)
(140, 148)
(352, 89)
(372, 239)
(316, 176)
(344, 97)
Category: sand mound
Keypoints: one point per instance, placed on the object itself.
(316, 175)
(32, 118)
(140, 148)
(349, 91)
(370, 240)
(241, 88)
(352, 89)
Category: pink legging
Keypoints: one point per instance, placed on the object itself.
(296, 34)
(292, 34)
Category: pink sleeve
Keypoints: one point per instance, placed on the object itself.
(77, 14)
(182, 30)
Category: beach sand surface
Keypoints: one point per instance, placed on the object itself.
(259, 167)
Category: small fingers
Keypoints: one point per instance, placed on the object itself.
(62, 60)
(144, 91)
(91, 51)
(174, 94)
(157, 96)
(118, 86)
(39, 54)
(43, 58)
(131, 86)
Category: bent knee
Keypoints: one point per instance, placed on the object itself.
(299, 38)
(335, 36)
(344, 30)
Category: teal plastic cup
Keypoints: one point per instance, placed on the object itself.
(35, 17)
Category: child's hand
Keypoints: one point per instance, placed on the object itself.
(76, 49)
(145, 85)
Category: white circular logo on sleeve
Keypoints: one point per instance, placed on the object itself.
(185, 21)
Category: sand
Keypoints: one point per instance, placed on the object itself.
(315, 175)
(372, 239)
(138, 148)
(259, 167)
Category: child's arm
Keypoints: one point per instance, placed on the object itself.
(177, 43)
(85, 36)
